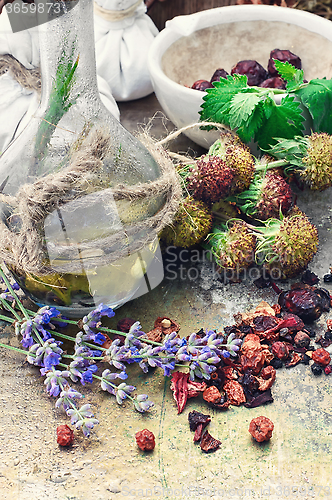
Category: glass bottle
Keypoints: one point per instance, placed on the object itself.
(77, 240)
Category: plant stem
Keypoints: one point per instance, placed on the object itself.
(7, 346)
(10, 288)
(107, 330)
(7, 318)
(9, 308)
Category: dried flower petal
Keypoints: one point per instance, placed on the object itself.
(209, 443)
(197, 422)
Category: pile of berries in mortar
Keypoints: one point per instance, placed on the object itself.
(257, 75)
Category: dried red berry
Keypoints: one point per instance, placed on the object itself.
(321, 357)
(145, 440)
(261, 428)
(302, 339)
(202, 85)
(253, 71)
(65, 435)
(219, 73)
(212, 394)
(280, 350)
(273, 83)
(209, 443)
(283, 56)
(305, 302)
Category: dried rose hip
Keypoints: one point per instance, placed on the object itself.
(253, 71)
(202, 85)
(65, 436)
(219, 73)
(273, 83)
(212, 395)
(145, 440)
(283, 56)
(261, 429)
(321, 357)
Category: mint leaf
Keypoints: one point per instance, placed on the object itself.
(217, 101)
(317, 97)
(283, 120)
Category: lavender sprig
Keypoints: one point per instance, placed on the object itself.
(83, 418)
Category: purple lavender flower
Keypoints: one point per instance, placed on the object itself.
(167, 366)
(233, 344)
(52, 359)
(142, 404)
(86, 352)
(90, 336)
(171, 343)
(107, 378)
(116, 354)
(94, 317)
(46, 355)
(83, 418)
(81, 369)
(123, 391)
(67, 397)
(55, 380)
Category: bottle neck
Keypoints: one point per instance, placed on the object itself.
(68, 42)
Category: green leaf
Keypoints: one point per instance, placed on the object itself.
(255, 121)
(292, 150)
(217, 101)
(287, 71)
(243, 106)
(317, 97)
(292, 75)
(284, 120)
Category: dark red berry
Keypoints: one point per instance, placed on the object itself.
(65, 436)
(219, 73)
(283, 56)
(253, 71)
(273, 83)
(202, 85)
